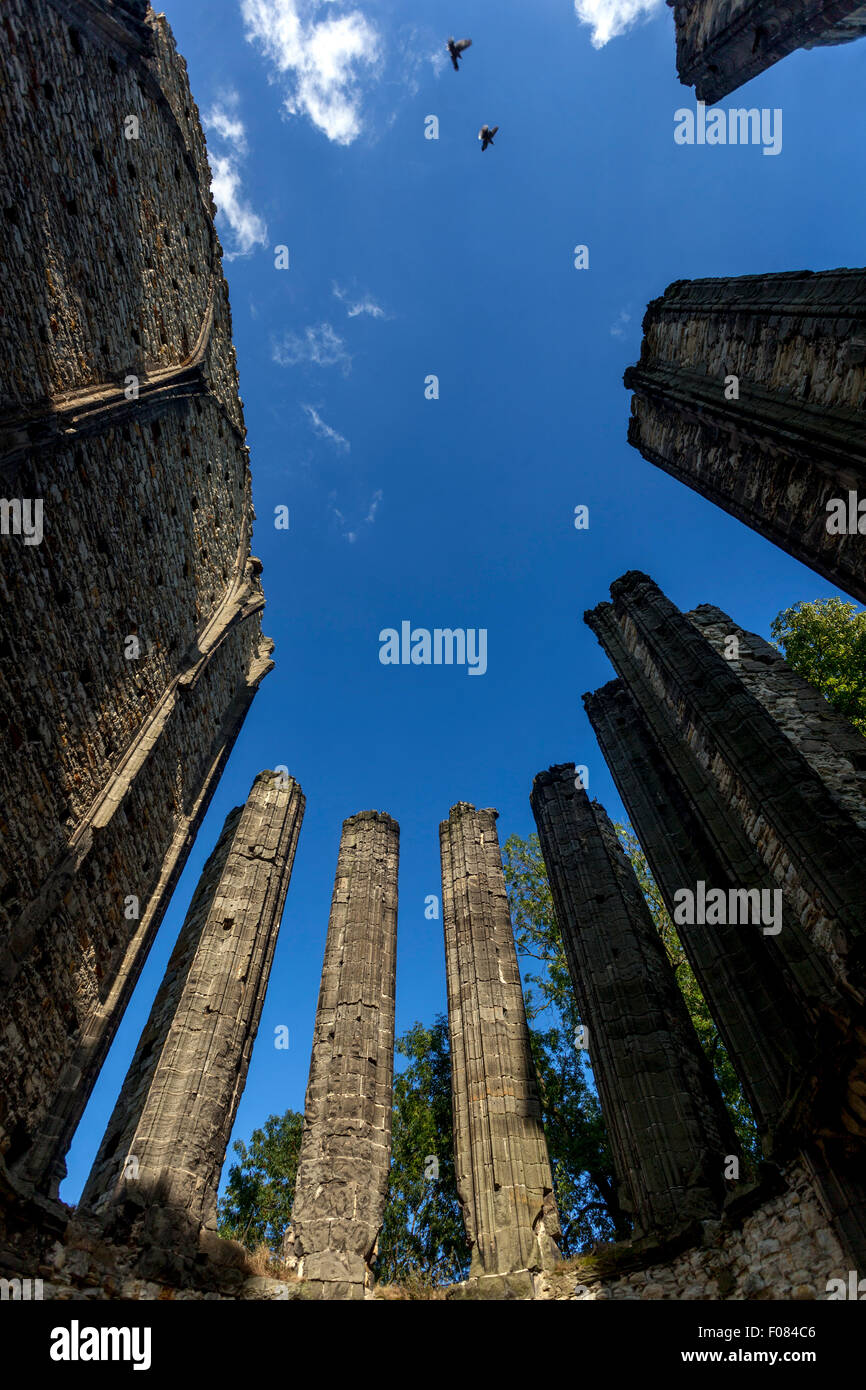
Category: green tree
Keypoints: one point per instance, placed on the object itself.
(257, 1204)
(825, 641)
(423, 1229)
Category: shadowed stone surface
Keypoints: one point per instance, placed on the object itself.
(723, 43)
(796, 437)
(737, 768)
(111, 271)
(684, 831)
(668, 1127)
(797, 816)
(346, 1148)
(503, 1172)
(166, 1140)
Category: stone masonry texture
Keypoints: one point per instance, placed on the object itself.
(686, 835)
(345, 1154)
(723, 43)
(665, 1118)
(796, 437)
(798, 818)
(130, 637)
(767, 781)
(166, 1140)
(502, 1167)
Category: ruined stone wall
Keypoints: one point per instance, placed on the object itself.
(345, 1153)
(794, 439)
(110, 268)
(781, 1250)
(166, 1139)
(723, 43)
(501, 1163)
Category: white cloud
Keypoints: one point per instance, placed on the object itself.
(324, 431)
(319, 54)
(365, 305)
(319, 345)
(610, 18)
(617, 329)
(228, 144)
(351, 534)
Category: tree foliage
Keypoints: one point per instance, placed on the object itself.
(825, 641)
(257, 1204)
(423, 1229)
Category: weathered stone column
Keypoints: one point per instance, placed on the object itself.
(166, 1140)
(668, 1127)
(345, 1154)
(502, 1166)
(683, 830)
(763, 761)
(791, 800)
(791, 439)
(721, 45)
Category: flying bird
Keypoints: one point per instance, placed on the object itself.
(457, 47)
(485, 135)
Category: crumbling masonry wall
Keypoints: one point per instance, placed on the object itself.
(723, 43)
(502, 1167)
(668, 1128)
(130, 639)
(345, 1154)
(166, 1140)
(794, 438)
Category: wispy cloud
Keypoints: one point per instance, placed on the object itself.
(366, 304)
(319, 344)
(617, 330)
(324, 431)
(228, 145)
(610, 18)
(318, 54)
(351, 534)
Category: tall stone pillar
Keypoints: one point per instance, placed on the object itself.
(791, 439)
(763, 762)
(721, 45)
(345, 1155)
(166, 1140)
(792, 813)
(502, 1167)
(687, 836)
(668, 1127)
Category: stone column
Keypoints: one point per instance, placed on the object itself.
(791, 439)
(668, 1127)
(686, 837)
(503, 1171)
(345, 1155)
(763, 761)
(796, 813)
(721, 45)
(166, 1140)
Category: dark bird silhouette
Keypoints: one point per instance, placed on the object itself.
(457, 47)
(485, 135)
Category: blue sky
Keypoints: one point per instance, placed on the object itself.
(410, 257)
